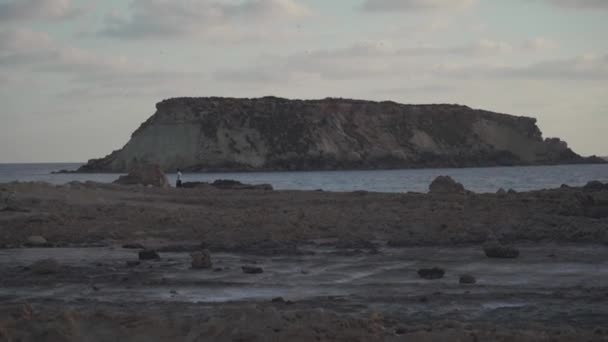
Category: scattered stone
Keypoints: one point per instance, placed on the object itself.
(446, 185)
(133, 246)
(46, 266)
(148, 254)
(499, 251)
(467, 279)
(37, 241)
(179, 248)
(218, 269)
(133, 263)
(252, 270)
(201, 259)
(431, 273)
(145, 175)
(595, 186)
(236, 185)
(278, 300)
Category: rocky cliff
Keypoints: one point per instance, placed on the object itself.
(279, 134)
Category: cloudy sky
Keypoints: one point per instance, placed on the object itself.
(78, 76)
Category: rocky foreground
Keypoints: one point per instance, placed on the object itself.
(249, 264)
(279, 134)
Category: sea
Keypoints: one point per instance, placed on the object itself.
(481, 180)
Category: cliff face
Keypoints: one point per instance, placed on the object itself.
(279, 134)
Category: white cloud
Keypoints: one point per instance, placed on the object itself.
(581, 4)
(539, 44)
(581, 68)
(363, 60)
(175, 18)
(37, 50)
(414, 5)
(18, 10)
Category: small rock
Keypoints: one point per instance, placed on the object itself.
(467, 279)
(278, 300)
(201, 259)
(252, 270)
(446, 185)
(595, 185)
(133, 246)
(400, 331)
(218, 269)
(431, 273)
(148, 254)
(512, 192)
(46, 266)
(501, 192)
(503, 252)
(133, 263)
(37, 241)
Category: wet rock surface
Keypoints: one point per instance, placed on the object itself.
(378, 296)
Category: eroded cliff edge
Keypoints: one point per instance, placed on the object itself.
(279, 134)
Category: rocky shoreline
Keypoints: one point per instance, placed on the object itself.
(156, 264)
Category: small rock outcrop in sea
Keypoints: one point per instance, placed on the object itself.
(501, 251)
(46, 266)
(446, 185)
(431, 273)
(145, 174)
(467, 279)
(201, 259)
(270, 133)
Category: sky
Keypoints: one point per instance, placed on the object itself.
(77, 77)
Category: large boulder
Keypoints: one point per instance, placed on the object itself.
(145, 175)
(446, 185)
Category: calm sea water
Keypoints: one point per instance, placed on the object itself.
(475, 179)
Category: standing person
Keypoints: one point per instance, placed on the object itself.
(178, 184)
